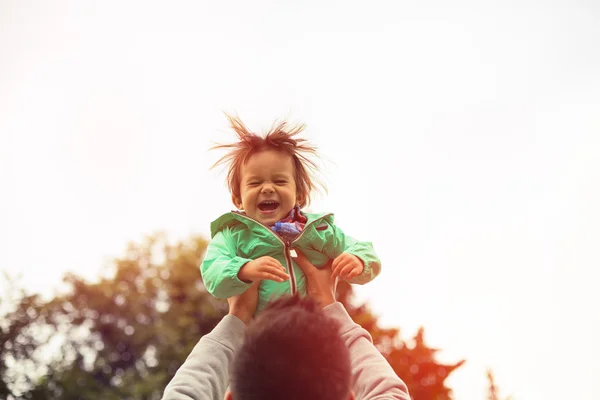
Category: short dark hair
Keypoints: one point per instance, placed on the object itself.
(292, 351)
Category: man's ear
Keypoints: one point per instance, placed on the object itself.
(229, 396)
(237, 202)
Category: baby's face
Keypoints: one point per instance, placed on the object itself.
(267, 186)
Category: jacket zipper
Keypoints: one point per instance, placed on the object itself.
(287, 247)
(288, 260)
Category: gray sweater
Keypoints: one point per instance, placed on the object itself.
(205, 373)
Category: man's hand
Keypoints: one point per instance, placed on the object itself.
(320, 283)
(244, 305)
(347, 266)
(263, 268)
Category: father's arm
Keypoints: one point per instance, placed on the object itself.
(373, 377)
(205, 373)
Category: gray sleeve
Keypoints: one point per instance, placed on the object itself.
(205, 373)
(373, 377)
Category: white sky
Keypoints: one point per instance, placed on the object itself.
(463, 141)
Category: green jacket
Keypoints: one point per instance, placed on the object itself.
(238, 239)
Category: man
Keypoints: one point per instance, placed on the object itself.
(295, 349)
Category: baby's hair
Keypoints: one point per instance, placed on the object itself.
(281, 137)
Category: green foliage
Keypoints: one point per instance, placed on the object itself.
(124, 336)
(120, 338)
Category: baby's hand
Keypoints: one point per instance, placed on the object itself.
(263, 268)
(347, 266)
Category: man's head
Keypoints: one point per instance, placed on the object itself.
(292, 351)
(269, 175)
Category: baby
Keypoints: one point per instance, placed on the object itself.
(271, 178)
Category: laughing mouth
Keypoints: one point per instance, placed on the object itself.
(268, 205)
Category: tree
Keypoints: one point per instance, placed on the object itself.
(414, 362)
(124, 336)
(493, 392)
(17, 343)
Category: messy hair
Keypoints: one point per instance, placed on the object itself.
(281, 137)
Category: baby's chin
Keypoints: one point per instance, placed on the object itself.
(271, 219)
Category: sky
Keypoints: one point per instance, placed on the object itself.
(462, 140)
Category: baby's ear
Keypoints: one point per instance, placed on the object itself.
(237, 202)
(300, 199)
